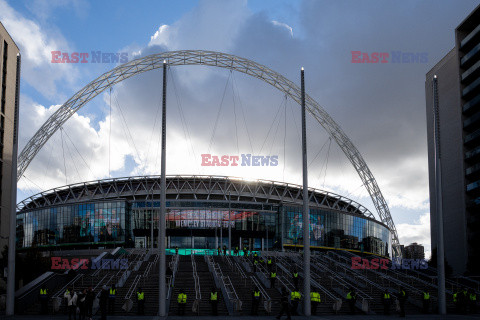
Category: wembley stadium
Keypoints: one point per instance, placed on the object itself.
(263, 215)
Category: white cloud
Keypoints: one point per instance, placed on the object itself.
(43, 9)
(380, 116)
(283, 25)
(418, 231)
(36, 45)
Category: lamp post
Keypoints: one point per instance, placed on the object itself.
(163, 185)
(306, 213)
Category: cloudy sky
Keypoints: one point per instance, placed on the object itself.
(380, 106)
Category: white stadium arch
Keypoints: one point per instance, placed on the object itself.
(221, 60)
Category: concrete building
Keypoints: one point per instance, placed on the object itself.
(414, 251)
(9, 85)
(459, 113)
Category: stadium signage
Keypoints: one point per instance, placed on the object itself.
(244, 160)
(82, 57)
(396, 264)
(385, 57)
(59, 263)
(203, 224)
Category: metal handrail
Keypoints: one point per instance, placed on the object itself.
(388, 278)
(232, 293)
(134, 284)
(227, 283)
(345, 283)
(171, 283)
(147, 269)
(260, 287)
(241, 272)
(71, 283)
(318, 262)
(196, 279)
(340, 281)
(100, 282)
(227, 258)
(382, 275)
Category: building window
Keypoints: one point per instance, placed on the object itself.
(4, 76)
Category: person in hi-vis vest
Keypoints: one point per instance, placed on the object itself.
(214, 301)
(112, 294)
(314, 300)
(256, 296)
(182, 302)
(140, 302)
(44, 299)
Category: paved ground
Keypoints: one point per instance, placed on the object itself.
(330, 317)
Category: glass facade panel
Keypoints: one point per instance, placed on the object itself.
(122, 222)
(79, 223)
(336, 230)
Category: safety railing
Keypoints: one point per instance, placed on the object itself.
(240, 272)
(226, 283)
(348, 272)
(133, 287)
(352, 278)
(196, 279)
(147, 270)
(70, 284)
(171, 282)
(416, 294)
(316, 279)
(267, 301)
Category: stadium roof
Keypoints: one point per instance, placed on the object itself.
(195, 187)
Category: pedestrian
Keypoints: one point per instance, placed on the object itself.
(111, 299)
(269, 263)
(65, 300)
(472, 304)
(140, 302)
(464, 299)
(285, 308)
(245, 251)
(402, 298)
(295, 277)
(236, 250)
(273, 277)
(89, 303)
(44, 299)
(426, 301)
(386, 300)
(176, 251)
(255, 265)
(224, 250)
(71, 304)
(351, 299)
(182, 302)
(82, 296)
(255, 301)
(214, 301)
(103, 302)
(314, 300)
(456, 301)
(219, 250)
(295, 298)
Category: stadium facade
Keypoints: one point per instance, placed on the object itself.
(261, 214)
